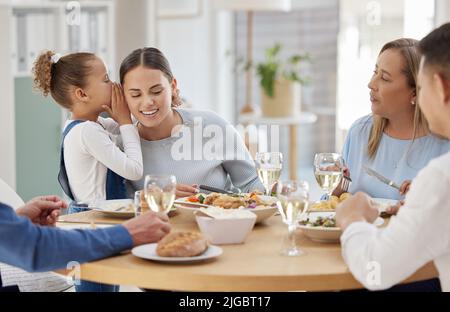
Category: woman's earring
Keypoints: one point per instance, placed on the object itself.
(413, 102)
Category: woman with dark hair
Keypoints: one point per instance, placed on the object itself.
(198, 147)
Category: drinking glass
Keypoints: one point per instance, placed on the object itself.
(159, 192)
(292, 203)
(268, 167)
(328, 170)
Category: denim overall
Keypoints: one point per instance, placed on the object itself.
(115, 189)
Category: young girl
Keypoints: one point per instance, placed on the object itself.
(92, 166)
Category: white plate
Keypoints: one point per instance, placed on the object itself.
(108, 207)
(323, 234)
(148, 252)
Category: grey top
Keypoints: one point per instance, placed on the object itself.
(205, 149)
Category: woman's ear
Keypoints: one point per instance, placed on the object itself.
(176, 99)
(174, 85)
(414, 98)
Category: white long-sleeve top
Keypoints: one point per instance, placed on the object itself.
(420, 233)
(90, 148)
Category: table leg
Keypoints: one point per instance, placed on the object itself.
(293, 152)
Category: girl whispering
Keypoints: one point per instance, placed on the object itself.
(93, 166)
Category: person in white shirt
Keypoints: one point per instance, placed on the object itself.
(420, 233)
(92, 166)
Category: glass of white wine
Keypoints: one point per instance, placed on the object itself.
(292, 203)
(268, 166)
(328, 170)
(159, 192)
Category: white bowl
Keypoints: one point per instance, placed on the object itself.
(225, 231)
(322, 234)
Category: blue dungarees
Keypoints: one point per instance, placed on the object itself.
(115, 189)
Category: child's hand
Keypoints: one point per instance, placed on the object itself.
(119, 110)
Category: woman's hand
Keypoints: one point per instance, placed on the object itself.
(338, 191)
(404, 188)
(184, 190)
(393, 210)
(119, 110)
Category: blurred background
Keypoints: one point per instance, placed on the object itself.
(210, 45)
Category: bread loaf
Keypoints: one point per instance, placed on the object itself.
(182, 244)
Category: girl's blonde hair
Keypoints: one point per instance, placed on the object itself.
(409, 48)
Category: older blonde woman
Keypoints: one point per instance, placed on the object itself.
(395, 139)
(420, 232)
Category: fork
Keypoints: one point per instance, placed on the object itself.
(345, 183)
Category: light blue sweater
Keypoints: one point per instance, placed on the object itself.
(398, 160)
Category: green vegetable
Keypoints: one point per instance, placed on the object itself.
(201, 198)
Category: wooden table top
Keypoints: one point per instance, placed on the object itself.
(255, 265)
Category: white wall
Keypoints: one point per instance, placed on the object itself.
(7, 122)
(196, 49)
(135, 28)
(195, 46)
(442, 8)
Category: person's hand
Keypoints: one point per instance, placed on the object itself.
(43, 210)
(119, 110)
(339, 190)
(184, 190)
(393, 210)
(147, 228)
(346, 171)
(404, 188)
(359, 207)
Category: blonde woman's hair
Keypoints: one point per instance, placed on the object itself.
(409, 49)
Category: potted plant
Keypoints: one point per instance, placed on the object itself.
(280, 82)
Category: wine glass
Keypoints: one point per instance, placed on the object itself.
(159, 192)
(328, 170)
(268, 166)
(292, 203)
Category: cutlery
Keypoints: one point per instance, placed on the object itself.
(380, 177)
(216, 190)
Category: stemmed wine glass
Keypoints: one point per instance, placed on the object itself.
(159, 192)
(292, 203)
(328, 170)
(268, 166)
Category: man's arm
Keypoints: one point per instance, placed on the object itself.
(37, 248)
(381, 258)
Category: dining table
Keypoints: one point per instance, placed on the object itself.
(255, 265)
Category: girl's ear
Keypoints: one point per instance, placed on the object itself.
(80, 95)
